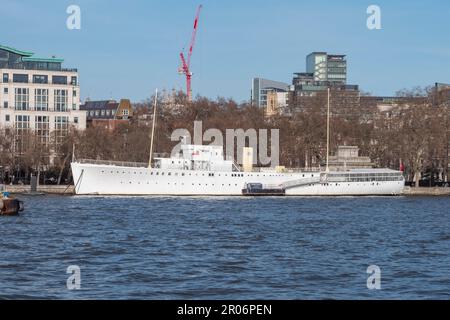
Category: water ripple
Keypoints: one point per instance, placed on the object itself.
(226, 248)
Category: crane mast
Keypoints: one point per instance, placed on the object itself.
(186, 63)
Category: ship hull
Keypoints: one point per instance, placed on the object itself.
(94, 179)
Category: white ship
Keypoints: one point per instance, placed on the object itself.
(203, 170)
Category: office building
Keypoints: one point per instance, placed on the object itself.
(260, 88)
(326, 67)
(323, 71)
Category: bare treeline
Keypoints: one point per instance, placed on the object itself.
(414, 131)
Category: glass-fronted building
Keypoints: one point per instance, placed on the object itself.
(327, 67)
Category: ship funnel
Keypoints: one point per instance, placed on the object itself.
(185, 140)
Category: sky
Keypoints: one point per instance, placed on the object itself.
(127, 49)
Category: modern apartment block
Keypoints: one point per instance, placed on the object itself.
(326, 67)
(260, 88)
(38, 95)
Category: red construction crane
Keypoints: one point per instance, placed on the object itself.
(186, 65)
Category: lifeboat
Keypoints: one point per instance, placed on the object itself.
(10, 206)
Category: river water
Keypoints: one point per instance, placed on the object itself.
(227, 248)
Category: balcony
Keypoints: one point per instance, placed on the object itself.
(10, 81)
(33, 109)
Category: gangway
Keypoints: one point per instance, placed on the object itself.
(300, 182)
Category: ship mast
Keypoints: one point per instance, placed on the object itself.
(328, 129)
(153, 130)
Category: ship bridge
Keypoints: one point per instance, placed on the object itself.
(196, 157)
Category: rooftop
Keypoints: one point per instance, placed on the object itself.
(11, 58)
(100, 105)
(20, 53)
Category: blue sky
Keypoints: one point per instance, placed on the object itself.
(129, 48)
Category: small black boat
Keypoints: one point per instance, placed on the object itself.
(258, 189)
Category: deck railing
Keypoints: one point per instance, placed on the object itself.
(114, 163)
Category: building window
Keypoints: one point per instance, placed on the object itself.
(22, 122)
(40, 79)
(113, 112)
(61, 129)
(74, 106)
(5, 90)
(74, 93)
(125, 112)
(7, 118)
(21, 99)
(5, 104)
(75, 120)
(20, 78)
(42, 129)
(41, 99)
(91, 113)
(59, 79)
(97, 113)
(108, 112)
(5, 78)
(73, 81)
(103, 113)
(60, 100)
(22, 128)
